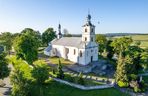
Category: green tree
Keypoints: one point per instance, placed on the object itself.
(109, 49)
(26, 47)
(121, 44)
(121, 71)
(40, 73)
(35, 34)
(4, 69)
(60, 73)
(6, 39)
(21, 79)
(48, 36)
(133, 53)
(144, 60)
(101, 40)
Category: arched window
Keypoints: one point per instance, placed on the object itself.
(92, 39)
(80, 53)
(85, 38)
(92, 30)
(74, 52)
(85, 30)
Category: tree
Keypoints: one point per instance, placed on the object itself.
(26, 47)
(101, 40)
(134, 54)
(109, 49)
(4, 69)
(48, 36)
(121, 71)
(6, 39)
(144, 60)
(60, 73)
(40, 73)
(66, 33)
(120, 45)
(35, 34)
(21, 79)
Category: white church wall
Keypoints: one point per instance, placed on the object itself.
(71, 55)
(82, 58)
(60, 50)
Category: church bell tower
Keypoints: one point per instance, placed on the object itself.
(88, 34)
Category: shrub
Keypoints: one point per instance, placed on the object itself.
(60, 73)
(123, 84)
(133, 77)
(69, 78)
(80, 79)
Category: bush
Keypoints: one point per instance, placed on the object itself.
(123, 84)
(133, 77)
(80, 79)
(69, 78)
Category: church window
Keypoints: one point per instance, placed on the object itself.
(92, 39)
(92, 30)
(74, 52)
(80, 53)
(85, 38)
(87, 53)
(85, 30)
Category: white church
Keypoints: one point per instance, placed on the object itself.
(81, 50)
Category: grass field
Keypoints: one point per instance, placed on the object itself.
(142, 38)
(55, 60)
(57, 89)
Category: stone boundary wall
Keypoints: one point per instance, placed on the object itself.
(84, 87)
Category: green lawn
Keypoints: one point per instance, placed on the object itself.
(55, 60)
(58, 89)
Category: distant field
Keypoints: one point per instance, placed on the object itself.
(142, 38)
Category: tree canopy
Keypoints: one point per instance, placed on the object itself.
(101, 40)
(4, 69)
(48, 36)
(26, 46)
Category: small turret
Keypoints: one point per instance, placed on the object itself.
(59, 35)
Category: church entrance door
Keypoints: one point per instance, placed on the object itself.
(91, 58)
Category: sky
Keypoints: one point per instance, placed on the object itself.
(125, 16)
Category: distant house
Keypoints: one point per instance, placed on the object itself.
(82, 50)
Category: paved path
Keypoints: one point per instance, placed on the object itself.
(5, 91)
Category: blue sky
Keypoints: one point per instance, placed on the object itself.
(113, 15)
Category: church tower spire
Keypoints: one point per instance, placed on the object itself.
(88, 34)
(59, 35)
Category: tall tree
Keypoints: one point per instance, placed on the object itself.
(4, 69)
(109, 49)
(26, 47)
(48, 36)
(121, 71)
(40, 73)
(101, 40)
(60, 73)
